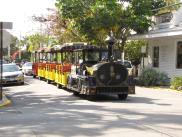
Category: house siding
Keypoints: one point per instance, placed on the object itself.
(177, 19)
(165, 35)
(167, 56)
(177, 72)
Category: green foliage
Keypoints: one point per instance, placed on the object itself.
(162, 79)
(168, 7)
(151, 77)
(139, 12)
(13, 44)
(36, 41)
(26, 56)
(133, 50)
(176, 83)
(92, 20)
(170, 2)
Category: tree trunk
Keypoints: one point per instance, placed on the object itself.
(122, 49)
(122, 56)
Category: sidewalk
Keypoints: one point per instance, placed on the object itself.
(5, 101)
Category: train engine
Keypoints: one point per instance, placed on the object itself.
(90, 75)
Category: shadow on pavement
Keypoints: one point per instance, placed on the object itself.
(64, 115)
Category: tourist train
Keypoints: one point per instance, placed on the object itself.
(83, 69)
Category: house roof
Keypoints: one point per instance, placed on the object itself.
(177, 31)
(6, 38)
(168, 29)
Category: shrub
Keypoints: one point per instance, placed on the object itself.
(162, 79)
(176, 83)
(151, 77)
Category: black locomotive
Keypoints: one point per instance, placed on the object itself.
(93, 73)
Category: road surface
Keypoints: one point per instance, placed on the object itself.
(41, 110)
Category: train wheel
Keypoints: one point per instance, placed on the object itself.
(34, 76)
(75, 93)
(40, 78)
(58, 85)
(122, 96)
(48, 81)
(22, 83)
(91, 97)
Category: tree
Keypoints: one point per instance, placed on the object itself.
(169, 2)
(13, 45)
(169, 6)
(36, 41)
(133, 50)
(56, 26)
(94, 19)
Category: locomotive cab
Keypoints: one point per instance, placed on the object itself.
(84, 58)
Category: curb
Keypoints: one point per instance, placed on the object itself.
(162, 88)
(5, 101)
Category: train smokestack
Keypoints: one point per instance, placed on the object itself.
(110, 40)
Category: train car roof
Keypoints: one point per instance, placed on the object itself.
(43, 49)
(89, 47)
(71, 47)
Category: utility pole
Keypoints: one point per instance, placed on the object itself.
(143, 51)
(9, 51)
(3, 25)
(1, 58)
(19, 48)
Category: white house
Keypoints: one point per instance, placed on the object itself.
(6, 42)
(164, 51)
(6, 37)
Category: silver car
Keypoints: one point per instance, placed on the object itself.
(12, 74)
(128, 65)
(27, 68)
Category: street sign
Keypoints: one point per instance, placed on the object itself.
(7, 25)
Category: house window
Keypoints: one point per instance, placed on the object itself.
(156, 57)
(179, 55)
(164, 18)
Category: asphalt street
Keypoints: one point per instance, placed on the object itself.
(41, 110)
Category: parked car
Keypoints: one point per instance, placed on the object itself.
(128, 65)
(12, 74)
(27, 68)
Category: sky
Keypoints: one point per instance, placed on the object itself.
(20, 12)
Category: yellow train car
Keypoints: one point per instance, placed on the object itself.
(41, 63)
(64, 60)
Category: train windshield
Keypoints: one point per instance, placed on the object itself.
(92, 56)
(116, 54)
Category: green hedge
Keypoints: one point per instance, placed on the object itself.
(151, 77)
(176, 83)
